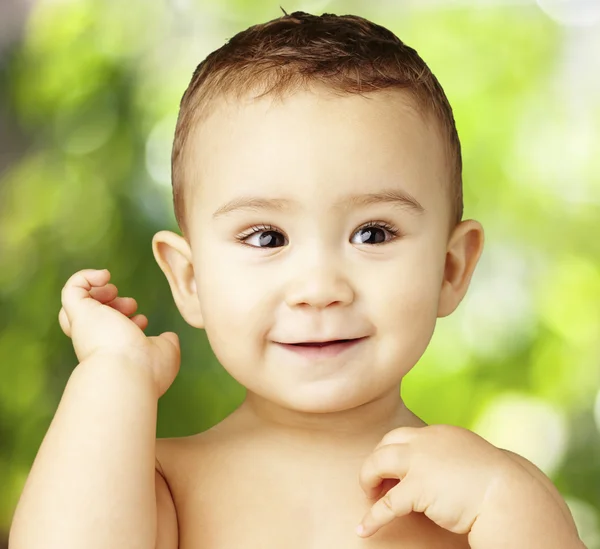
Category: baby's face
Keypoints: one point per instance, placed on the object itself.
(299, 233)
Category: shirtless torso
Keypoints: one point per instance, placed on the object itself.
(236, 488)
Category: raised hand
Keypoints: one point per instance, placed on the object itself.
(99, 324)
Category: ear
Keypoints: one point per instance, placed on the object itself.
(464, 249)
(174, 256)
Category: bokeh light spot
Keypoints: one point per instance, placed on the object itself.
(527, 426)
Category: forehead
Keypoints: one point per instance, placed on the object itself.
(315, 148)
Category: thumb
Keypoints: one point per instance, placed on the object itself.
(171, 337)
(168, 344)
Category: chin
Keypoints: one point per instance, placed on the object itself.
(313, 401)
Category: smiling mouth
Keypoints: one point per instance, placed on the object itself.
(321, 350)
(321, 343)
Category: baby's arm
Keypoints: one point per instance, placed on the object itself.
(527, 510)
(93, 483)
(546, 483)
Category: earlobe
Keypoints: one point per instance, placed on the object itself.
(463, 253)
(174, 256)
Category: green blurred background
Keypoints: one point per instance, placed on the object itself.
(89, 93)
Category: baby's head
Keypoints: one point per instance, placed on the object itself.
(342, 56)
(317, 183)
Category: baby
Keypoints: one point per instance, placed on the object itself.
(317, 184)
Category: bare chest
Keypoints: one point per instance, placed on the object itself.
(228, 503)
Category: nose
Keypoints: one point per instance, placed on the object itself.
(319, 284)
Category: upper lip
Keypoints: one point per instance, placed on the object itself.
(327, 340)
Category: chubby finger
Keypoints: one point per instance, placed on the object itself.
(399, 501)
(78, 287)
(105, 294)
(390, 461)
(141, 321)
(64, 322)
(125, 305)
(399, 435)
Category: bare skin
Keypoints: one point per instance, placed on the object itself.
(242, 485)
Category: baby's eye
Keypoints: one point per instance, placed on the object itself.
(375, 233)
(267, 236)
(263, 236)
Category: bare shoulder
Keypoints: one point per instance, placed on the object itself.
(539, 475)
(180, 464)
(167, 536)
(169, 455)
(175, 457)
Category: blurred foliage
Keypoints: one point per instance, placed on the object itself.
(91, 92)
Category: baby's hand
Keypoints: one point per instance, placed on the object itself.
(444, 471)
(98, 323)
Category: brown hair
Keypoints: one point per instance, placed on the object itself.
(347, 54)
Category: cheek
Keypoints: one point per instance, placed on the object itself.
(406, 297)
(232, 302)
(405, 324)
(412, 281)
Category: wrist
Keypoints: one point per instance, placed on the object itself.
(107, 369)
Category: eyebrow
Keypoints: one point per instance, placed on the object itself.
(397, 197)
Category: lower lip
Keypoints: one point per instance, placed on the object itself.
(326, 351)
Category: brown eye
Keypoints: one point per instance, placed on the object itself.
(375, 233)
(371, 235)
(263, 236)
(270, 239)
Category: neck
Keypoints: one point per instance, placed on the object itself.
(363, 425)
